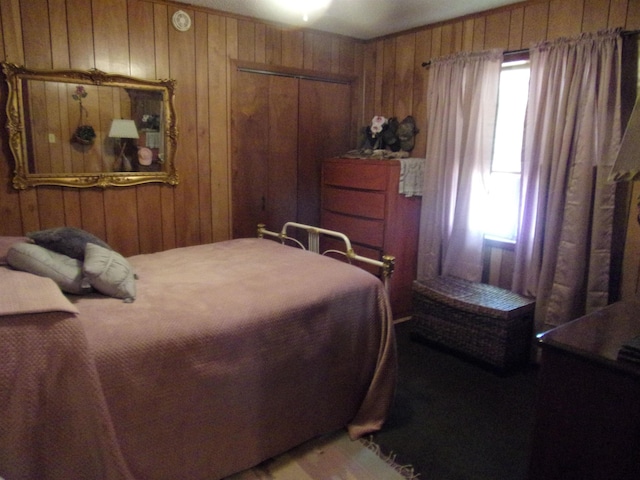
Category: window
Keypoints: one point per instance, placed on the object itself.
(500, 215)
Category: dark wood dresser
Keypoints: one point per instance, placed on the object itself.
(588, 409)
(360, 198)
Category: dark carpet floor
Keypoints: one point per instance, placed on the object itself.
(455, 420)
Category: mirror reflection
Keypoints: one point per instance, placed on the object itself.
(76, 128)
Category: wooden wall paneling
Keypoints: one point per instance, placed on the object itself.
(535, 23)
(357, 95)
(162, 69)
(457, 36)
(94, 212)
(479, 31)
(335, 56)
(436, 39)
(493, 264)
(11, 23)
(109, 104)
(246, 41)
(387, 101)
(595, 16)
(56, 97)
(37, 55)
(233, 52)
(111, 35)
(37, 37)
(141, 39)
(515, 29)
(617, 13)
(565, 18)
(273, 45)
(218, 138)
(50, 207)
(30, 218)
(59, 37)
(37, 120)
(292, 48)
(203, 128)
(448, 45)
(468, 29)
(260, 43)
(317, 51)
(121, 220)
(143, 65)
(372, 81)
(404, 71)
(2, 49)
(420, 85)
(80, 35)
(497, 30)
(161, 41)
(71, 202)
(182, 69)
(65, 92)
(346, 51)
(633, 15)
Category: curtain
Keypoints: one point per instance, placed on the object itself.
(463, 97)
(572, 131)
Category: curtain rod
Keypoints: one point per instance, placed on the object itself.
(624, 33)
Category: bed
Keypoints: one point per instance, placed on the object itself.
(231, 353)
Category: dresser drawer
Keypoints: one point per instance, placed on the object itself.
(359, 230)
(361, 203)
(364, 176)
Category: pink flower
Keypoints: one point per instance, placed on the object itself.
(80, 93)
(377, 124)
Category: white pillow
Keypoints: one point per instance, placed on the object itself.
(109, 272)
(64, 270)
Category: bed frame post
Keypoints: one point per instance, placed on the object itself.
(387, 264)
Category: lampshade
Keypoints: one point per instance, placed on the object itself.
(627, 165)
(121, 128)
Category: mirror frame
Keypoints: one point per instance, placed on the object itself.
(23, 179)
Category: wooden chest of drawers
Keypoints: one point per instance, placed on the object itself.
(360, 198)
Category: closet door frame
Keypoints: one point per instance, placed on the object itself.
(237, 67)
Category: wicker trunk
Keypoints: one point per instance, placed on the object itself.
(487, 323)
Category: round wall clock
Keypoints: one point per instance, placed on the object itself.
(181, 20)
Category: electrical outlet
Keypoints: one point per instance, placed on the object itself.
(52, 138)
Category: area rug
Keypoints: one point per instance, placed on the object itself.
(331, 457)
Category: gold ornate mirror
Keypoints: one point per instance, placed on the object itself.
(89, 128)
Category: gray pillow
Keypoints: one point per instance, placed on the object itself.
(109, 272)
(69, 241)
(64, 270)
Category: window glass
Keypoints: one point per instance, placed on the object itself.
(500, 214)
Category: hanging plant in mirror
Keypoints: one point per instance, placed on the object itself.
(84, 134)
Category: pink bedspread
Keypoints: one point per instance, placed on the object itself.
(232, 352)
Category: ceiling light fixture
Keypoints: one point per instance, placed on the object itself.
(303, 8)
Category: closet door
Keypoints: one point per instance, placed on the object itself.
(325, 113)
(283, 124)
(264, 139)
